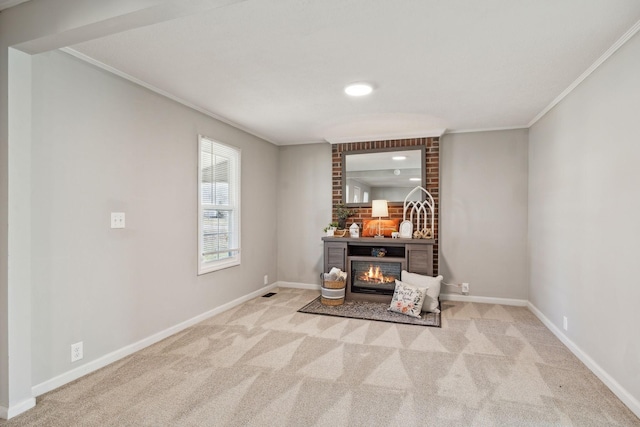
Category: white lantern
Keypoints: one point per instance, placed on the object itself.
(354, 230)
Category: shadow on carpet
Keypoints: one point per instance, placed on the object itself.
(370, 311)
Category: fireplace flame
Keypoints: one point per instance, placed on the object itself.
(374, 275)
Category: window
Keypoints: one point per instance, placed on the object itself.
(218, 206)
(356, 194)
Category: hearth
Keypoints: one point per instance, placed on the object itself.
(374, 275)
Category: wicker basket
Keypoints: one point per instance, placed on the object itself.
(331, 301)
(332, 291)
(334, 284)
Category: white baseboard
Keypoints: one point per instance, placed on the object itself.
(444, 297)
(297, 285)
(12, 411)
(632, 403)
(484, 300)
(114, 356)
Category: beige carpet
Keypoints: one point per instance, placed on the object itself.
(264, 364)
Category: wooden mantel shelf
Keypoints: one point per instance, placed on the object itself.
(372, 241)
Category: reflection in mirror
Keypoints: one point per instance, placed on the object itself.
(382, 175)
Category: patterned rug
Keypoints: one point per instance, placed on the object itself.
(370, 311)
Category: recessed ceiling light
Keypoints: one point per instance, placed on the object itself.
(414, 179)
(399, 157)
(358, 89)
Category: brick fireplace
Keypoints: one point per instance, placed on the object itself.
(432, 170)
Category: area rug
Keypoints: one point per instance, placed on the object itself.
(370, 311)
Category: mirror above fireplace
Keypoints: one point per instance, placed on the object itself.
(382, 174)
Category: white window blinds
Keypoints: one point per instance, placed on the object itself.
(219, 206)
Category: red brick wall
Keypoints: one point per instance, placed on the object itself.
(432, 170)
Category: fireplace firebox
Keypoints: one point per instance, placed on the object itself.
(374, 275)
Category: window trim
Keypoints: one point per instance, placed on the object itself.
(211, 266)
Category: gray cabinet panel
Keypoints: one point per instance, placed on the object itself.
(335, 255)
(419, 259)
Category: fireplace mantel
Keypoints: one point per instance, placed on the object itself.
(416, 256)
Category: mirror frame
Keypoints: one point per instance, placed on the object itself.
(423, 165)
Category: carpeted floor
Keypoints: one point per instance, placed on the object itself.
(264, 364)
(370, 311)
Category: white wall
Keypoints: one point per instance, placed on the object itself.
(483, 212)
(584, 200)
(304, 199)
(102, 144)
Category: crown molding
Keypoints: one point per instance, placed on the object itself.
(449, 132)
(613, 49)
(386, 137)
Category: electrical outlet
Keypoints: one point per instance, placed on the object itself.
(117, 219)
(565, 323)
(465, 288)
(76, 351)
(266, 279)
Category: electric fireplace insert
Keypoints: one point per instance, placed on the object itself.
(375, 275)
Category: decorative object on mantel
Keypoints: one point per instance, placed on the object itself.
(331, 229)
(379, 208)
(340, 233)
(395, 235)
(370, 311)
(420, 209)
(354, 230)
(387, 226)
(406, 229)
(342, 213)
(424, 234)
(378, 252)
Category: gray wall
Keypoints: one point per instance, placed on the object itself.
(483, 212)
(103, 144)
(392, 194)
(304, 194)
(583, 208)
(36, 27)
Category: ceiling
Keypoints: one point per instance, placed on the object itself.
(277, 69)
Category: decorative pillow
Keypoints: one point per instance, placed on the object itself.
(433, 292)
(407, 299)
(387, 226)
